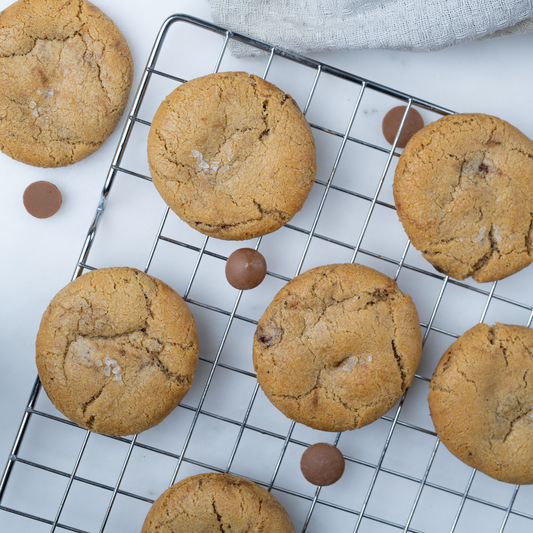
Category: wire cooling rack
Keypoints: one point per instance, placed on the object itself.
(398, 476)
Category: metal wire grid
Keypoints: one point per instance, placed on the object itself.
(358, 516)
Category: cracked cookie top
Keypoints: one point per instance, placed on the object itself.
(463, 190)
(337, 347)
(481, 401)
(116, 351)
(211, 503)
(232, 155)
(65, 77)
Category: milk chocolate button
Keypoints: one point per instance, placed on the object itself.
(322, 464)
(392, 121)
(42, 199)
(245, 269)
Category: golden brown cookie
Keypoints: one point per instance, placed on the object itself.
(211, 503)
(65, 77)
(481, 401)
(337, 347)
(463, 189)
(232, 155)
(117, 350)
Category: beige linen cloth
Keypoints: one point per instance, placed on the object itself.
(412, 25)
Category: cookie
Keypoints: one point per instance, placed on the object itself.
(211, 503)
(117, 350)
(481, 401)
(463, 190)
(65, 78)
(232, 155)
(337, 347)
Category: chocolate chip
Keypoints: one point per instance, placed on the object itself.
(322, 464)
(268, 335)
(245, 268)
(42, 199)
(264, 339)
(392, 121)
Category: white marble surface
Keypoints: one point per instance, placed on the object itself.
(37, 257)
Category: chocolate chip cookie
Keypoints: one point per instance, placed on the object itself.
(65, 77)
(232, 155)
(481, 401)
(117, 350)
(211, 503)
(337, 347)
(463, 190)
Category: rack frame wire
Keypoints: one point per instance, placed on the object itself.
(360, 517)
